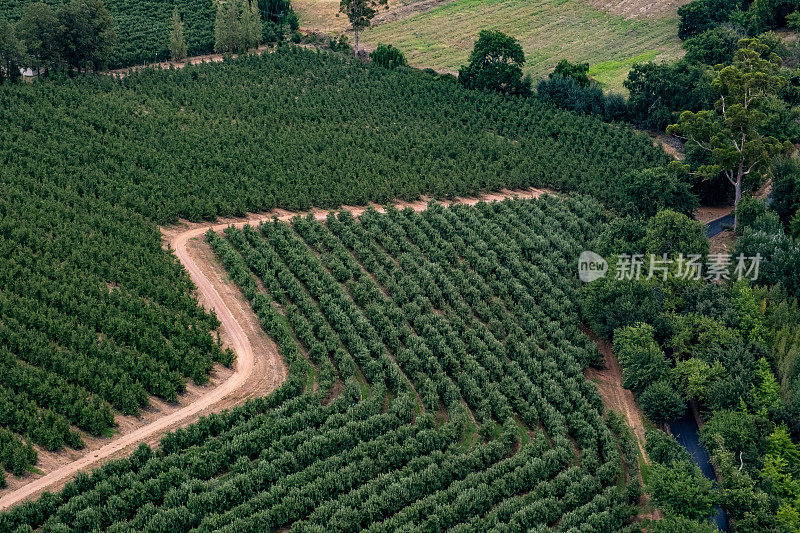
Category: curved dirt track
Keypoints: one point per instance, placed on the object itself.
(235, 337)
(239, 329)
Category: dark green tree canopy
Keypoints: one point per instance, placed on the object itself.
(495, 64)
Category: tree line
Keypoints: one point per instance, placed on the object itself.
(727, 350)
(77, 35)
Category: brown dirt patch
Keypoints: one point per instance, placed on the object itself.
(633, 9)
(723, 243)
(708, 214)
(615, 396)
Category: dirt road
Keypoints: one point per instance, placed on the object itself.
(239, 330)
(615, 397)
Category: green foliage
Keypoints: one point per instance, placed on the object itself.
(278, 12)
(746, 503)
(566, 92)
(696, 334)
(737, 432)
(696, 18)
(360, 13)
(780, 252)
(97, 316)
(694, 376)
(642, 359)
(12, 53)
(577, 71)
(87, 33)
(421, 324)
(681, 489)
(751, 315)
(753, 17)
(40, 32)
(714, 46)
(238, 26)
(672, 523)
(388, 56)
(607, 304)
(495, 64)
(458, 149)
(648, 191)
(661, 403)
(749, 210)
(620, 236)
(177, 43)
(731, 133)
(663, 448)
(779, 444)
(658, 92)
(144, 27)
(793, 20)
(786, 188)
(674, 233)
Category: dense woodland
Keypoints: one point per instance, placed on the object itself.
(729, 351)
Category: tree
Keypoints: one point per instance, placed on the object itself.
(388, 56)
(177, 43)
(695, 19)
(88, 35)
(673, 233)
(40, 32)
(663, 448)
(659, 90)
(360, 14)
(238, 27)
(12, 53)
(642, 359)
(607, 304)
(786, 188)
(251, 24)
(227, 33)
(712, 47)
(577, 71)
(661, 402)
(495, 64)
(730, 132)
(647, 191)
(682, 490)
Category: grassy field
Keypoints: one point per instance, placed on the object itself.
(610, 39)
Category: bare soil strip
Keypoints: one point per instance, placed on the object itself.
(258, 369)
(615, 396)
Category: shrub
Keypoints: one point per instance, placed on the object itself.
(388, 56)
(577, 71)
(645, 192)
(663, 448)
(682, 490)
(674, 233)
(661, 402)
